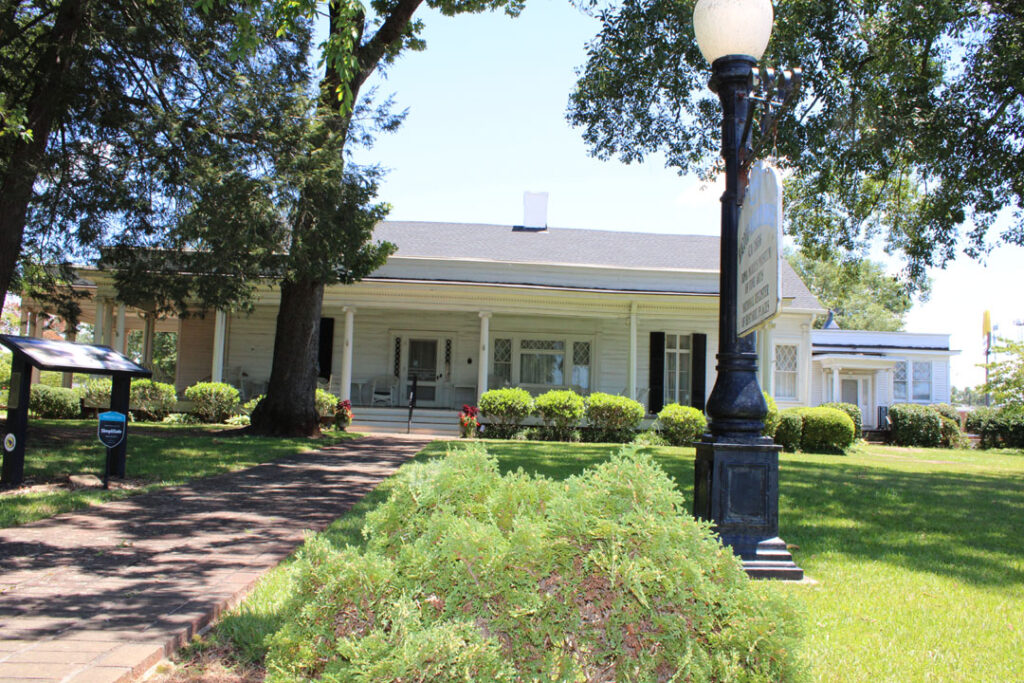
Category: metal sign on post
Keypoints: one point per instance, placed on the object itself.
(759, 276)
(111, 428)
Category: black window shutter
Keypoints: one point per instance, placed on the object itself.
(325, 354)
(698, 373)
(656, 396)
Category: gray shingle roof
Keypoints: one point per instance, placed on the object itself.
(501, 243)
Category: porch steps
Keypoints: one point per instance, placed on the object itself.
(426, 421)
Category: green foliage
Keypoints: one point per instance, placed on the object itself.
(96, 393)
(861, 294)
(325, 403)
(505, 410)
(681, 425)
(55, 402)
(790, 430)
(952, 437)
(152, 401)
(999, 428)
(238, 421)
(471, 575)
(771, 419)
(915, 425)
(870, 139)
(165, 353)
(250, 405)
(1006, 374)
(5, 369)
(826, 430)
(976, 418)
(613, 418)
(561, 411)
(851, 410)
(947, 411)
(213, 401)
(182, 419)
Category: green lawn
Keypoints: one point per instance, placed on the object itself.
(918, 555)
(158, 455)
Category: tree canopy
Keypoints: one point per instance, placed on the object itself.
(1006, 375)
(910, 127)
(858, 292)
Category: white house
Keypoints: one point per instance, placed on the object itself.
(466, 307)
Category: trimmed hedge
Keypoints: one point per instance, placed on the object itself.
(471, 575)
(96, 393)
(151, 401)
(214, 401)
(613, 418)
(851, 410)
(915, 425)
(790, 429)
(1002, 428)
(826, 430)
(55, 403)
(681, 425)
(952, 437)
(946, 410)
(771, 419)
(977, 417)
(561, 411)
(505, 410)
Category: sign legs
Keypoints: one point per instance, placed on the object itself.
(17, 423)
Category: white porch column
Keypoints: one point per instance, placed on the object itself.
(120, 338)
(485, 354)
(631, 374)
(346, 354)
(220, 328)
(100, 326)
(147, 340)
(836, 394)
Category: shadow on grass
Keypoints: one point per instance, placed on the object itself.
(952, 524)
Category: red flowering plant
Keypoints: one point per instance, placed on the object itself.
(343, 414)
(468, 424)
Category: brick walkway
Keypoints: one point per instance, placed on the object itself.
(104, 594)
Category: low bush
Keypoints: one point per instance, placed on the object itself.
(851, 410)
(771, 419)
(977, 417)
(826, 430)
(613, 418)
(182, 419)
(213, 401)
(5, 369)
(96, 393)
(952, 437)
(152, 401)
(790, 429)
(470, 575)
(251, 404)
(681, 425)
(55, 403)
(946, 410)
(1002, 428)
(238, 421)
(915, 425)
(650, 437)
(326, 402)
(505, 410)
(561, 411)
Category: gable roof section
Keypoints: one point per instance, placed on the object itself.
(571, 247)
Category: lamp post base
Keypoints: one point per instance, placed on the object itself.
(736, 486)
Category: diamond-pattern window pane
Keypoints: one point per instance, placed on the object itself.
(785, 358)
(502, 350)
(899, 372)
(541, 345)
(581, 353)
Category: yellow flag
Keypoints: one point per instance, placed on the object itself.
(986, 323)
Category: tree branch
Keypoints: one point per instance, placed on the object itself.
(370, 54)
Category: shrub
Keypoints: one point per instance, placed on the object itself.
(681, 425)
(325, 403)
(1003, 427)
(5, 369)
(613, 418)
(851, 410)
(915, 425)
(977, 417)
(182, 419)
(54, 402)
(470, 575)
(826, 430)
(152, 401)
(561, 411)
(213, 401)
(238, 421)
(251, 404)
(771, 420)
(952, 437)
(946, 410)
(650, 437)
(96, 393)
(790, 430)
(505, 409)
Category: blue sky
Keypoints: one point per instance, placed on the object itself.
(487, 122)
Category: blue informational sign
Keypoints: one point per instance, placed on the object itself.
(111, 429)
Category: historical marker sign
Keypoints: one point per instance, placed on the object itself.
(759, 276)
(111, 428)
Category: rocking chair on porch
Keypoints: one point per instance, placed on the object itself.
(381, 391)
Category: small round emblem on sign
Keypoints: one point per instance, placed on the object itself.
(10, 441)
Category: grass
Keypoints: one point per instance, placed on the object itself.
(158, 456)
(918, 554)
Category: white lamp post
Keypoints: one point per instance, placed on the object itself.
(736, 473)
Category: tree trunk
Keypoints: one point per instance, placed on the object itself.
(24, 156)
(289, 408)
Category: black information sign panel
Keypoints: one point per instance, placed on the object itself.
(112, 428)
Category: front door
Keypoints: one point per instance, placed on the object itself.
(857, 392)
(424, 365)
